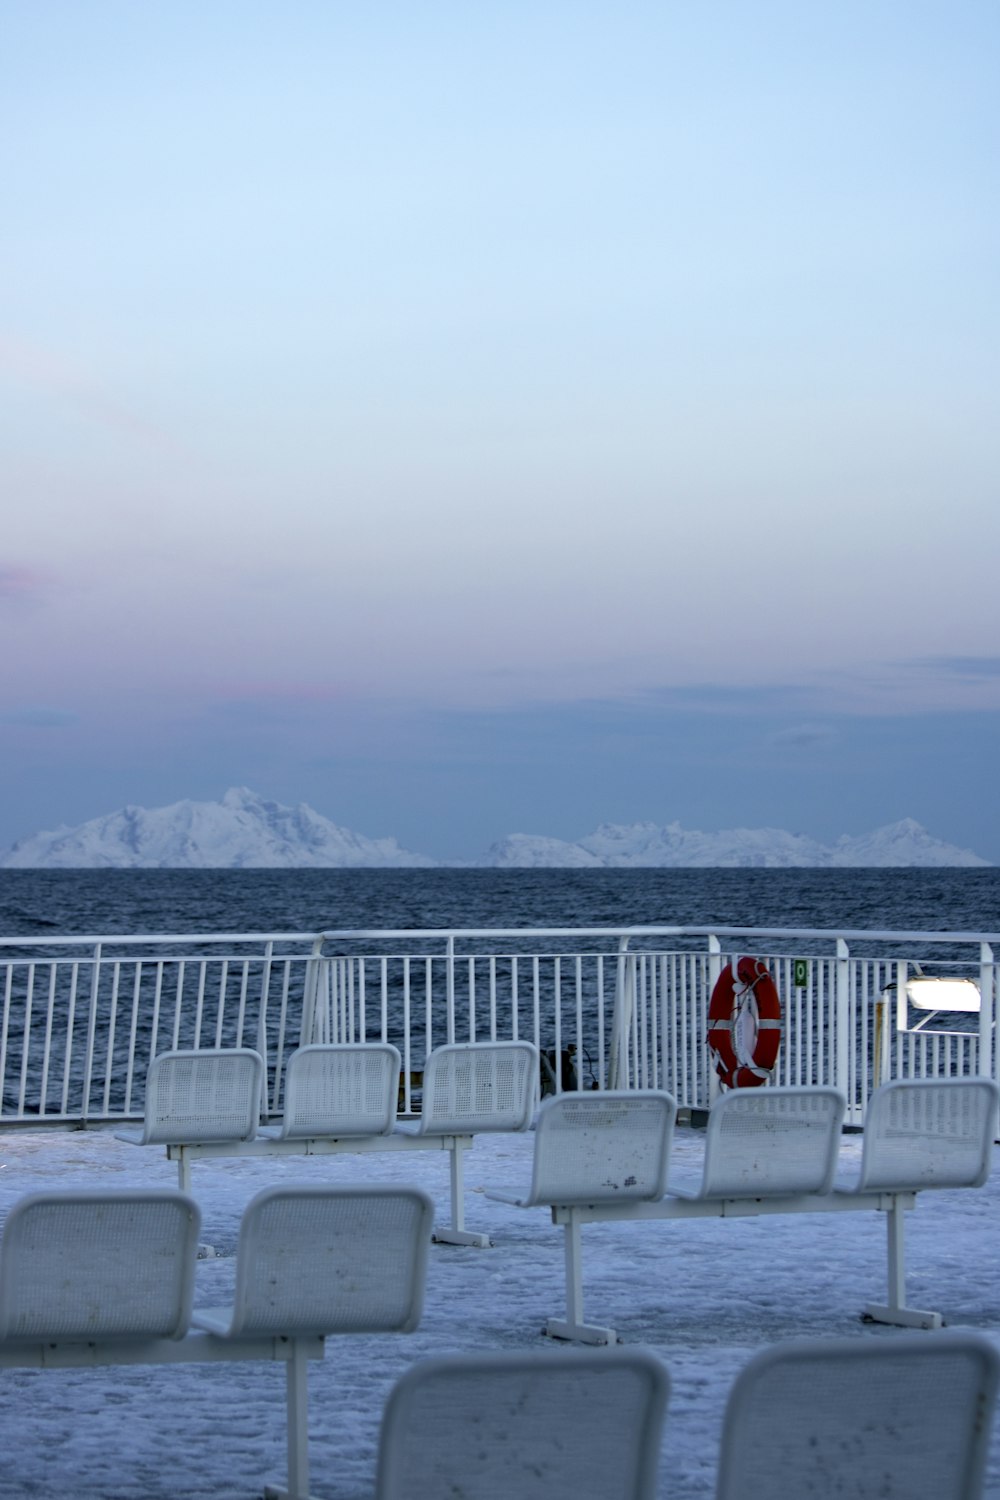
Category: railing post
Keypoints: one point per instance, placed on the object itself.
(314, 965)
(88, 1065)
(621, 1020)
(842, 1023)
(714, 970)
(265, 985)
(989, 1004)
(449, 970)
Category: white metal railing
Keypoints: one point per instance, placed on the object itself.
(83, 1017)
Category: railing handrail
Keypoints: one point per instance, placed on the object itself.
(368, 934)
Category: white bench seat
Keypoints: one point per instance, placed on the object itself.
(767, 1152)
(98, 1279)
(339, 1099)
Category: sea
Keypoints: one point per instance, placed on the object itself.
(39, 903)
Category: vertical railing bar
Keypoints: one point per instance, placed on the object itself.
(109, 1059)
(515, 1016)
(25, 1040)
(581, 1051)
(428, 1004)
(199, 1005)
(263, 1009)
(178, 997)
(220, 1012)
(47, 1039)
(157, 999)
(362, 999)
(88, 1062)
(241, 1007)
(493, 997)
(407, 1053)
(557, 1019)
(70, 1021)
(536, 1000)
(602, 1001)
(450, 987)
(133, 1032)
(8, 991)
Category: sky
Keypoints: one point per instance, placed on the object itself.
(703, 1296)
(502, 418)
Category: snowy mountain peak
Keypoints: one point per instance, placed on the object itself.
(644, 845)
(243, 831)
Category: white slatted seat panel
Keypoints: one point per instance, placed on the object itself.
(347, 1089)
(89, 1266)
(887, 1419)
(328, 1260)
(525, 1427)
(923, 1133)
(206, 1094)
(591, 1148)
(772, 1140)
(471, 1087)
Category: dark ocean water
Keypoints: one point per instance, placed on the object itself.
(38, 903)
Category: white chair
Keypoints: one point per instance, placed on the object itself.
(550, 1426)
(875, 1419)
(610, 1149)
(921, 1133)
(320, 1261)
(470, 1088)
(929, 1133)
(197, 1096)
(98, 1268)
(344, 1089)
(592, 1148)
(770, 1141)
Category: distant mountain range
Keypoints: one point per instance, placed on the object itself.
(246, 831)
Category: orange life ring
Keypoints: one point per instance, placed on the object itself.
(747, 1003)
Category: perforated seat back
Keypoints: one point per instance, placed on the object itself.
(876, 1419)
(593, 1147)
(525, 1426)
(89, 1266)
(332, 1260)
(345, 1089)
(923, 1133)
(207, 1094)
(772, 1141)
(479, 1086)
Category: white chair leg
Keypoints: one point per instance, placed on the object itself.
(297, 1405)
(297, 1418)
(573, 1327)
(456, 1233)
(183, 1170)
(897, 1313)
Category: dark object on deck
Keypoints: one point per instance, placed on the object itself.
(569, 1078)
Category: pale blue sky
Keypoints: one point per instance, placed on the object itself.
(490, 417)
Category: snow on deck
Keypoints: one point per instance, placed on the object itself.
(702, 1295)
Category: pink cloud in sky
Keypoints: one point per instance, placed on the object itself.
(19, 582)
(284, 692)
(80, 389)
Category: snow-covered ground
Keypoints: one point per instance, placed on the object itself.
(702, 1295)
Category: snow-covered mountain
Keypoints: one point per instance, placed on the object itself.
(242, 831)
(645, 845)
(245, 831)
